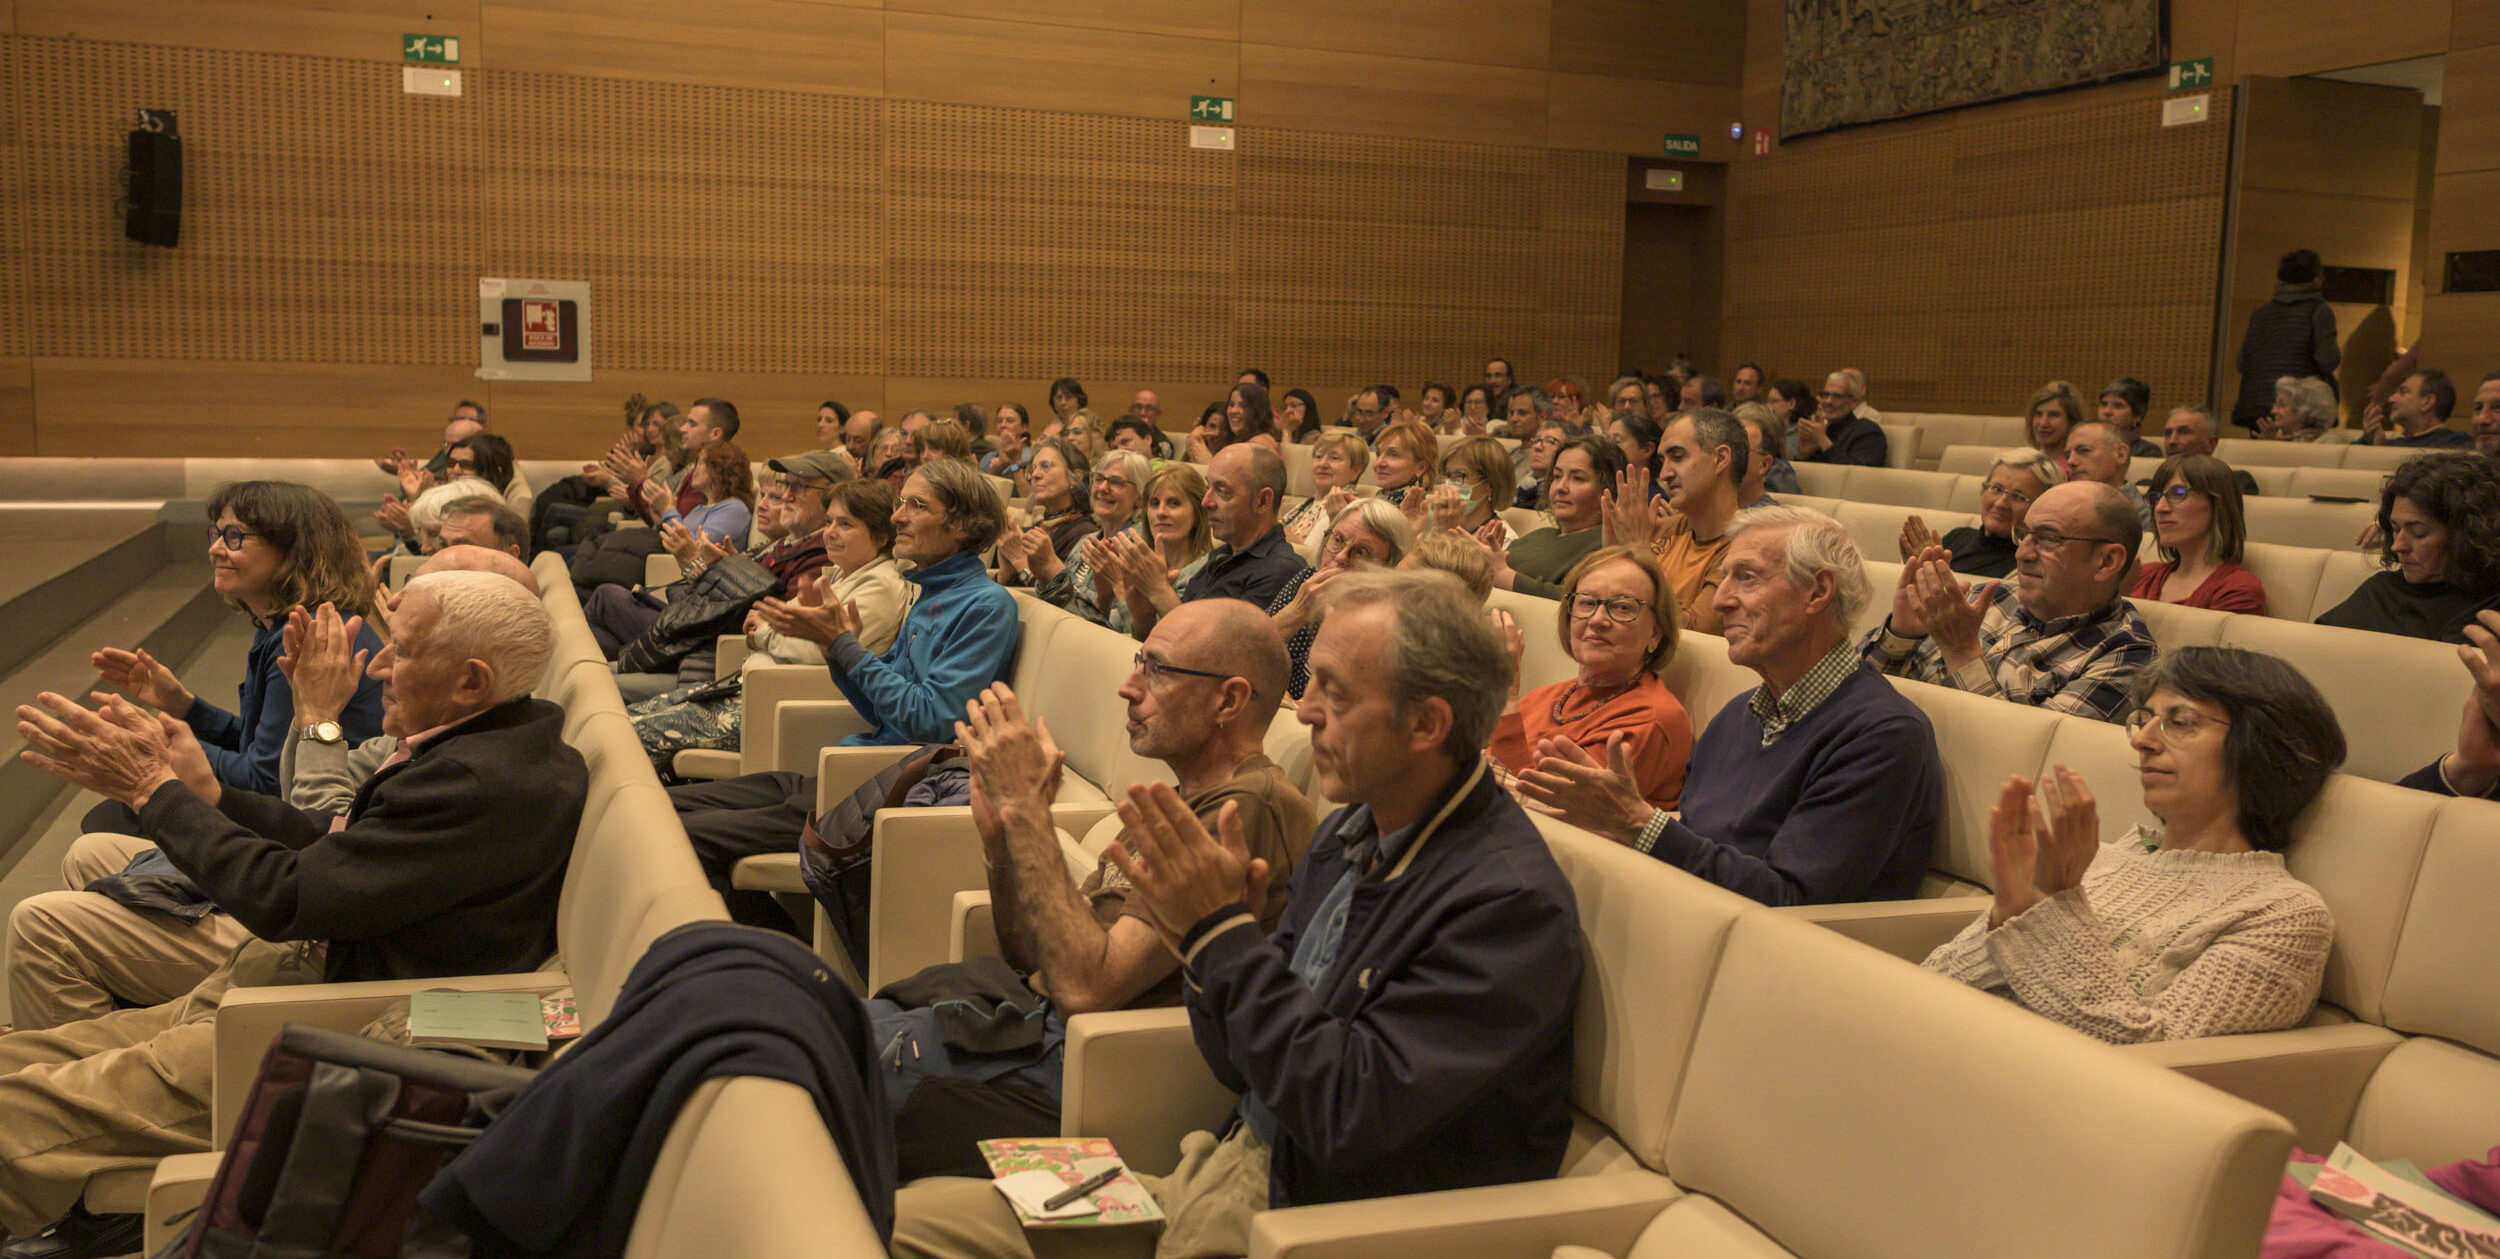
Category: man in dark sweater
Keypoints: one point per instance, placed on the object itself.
(448, 862)
(1836, 433)
(1820, 785)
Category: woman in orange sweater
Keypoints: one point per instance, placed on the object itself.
(1617, 619)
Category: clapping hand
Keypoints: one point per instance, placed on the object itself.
(116, 750)
(1916, 537)
(1632, 516)
(413, 480)
(1490, 538)
(1448, 507)
(1570, 784)
(1183, 874)
(2037, 849)
(2374, 424)
(1014, 760)
(318, 655)
(138, 673)
(679, 541)
(1813, 435)
(625, 466)
(2474, 768)
(393, 515)
(1514, 644)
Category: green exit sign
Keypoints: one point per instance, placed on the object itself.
(1683, 146)
(1211, 109)
(2188, 74)
(440, 48)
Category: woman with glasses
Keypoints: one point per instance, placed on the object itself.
(273, 547)
(1297, 416)
(1475, 409)
(1367, 533)
(1569, 397)
(2439, 530)
(1617, 620)
(2016, 479)
(1475, 487)
(1792, 401)
(1337, 462)
(1119, 490)
(1059, 472)
(2190, 928)
(2201, 527)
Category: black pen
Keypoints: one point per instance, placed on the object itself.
(1083, 1187)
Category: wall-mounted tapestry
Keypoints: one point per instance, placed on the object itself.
(1857, 61)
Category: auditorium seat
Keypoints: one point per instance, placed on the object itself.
(2249, 452)
(1825, 480)
(1901, 487)
(2357, 484)
(2290, 575)
(1939, 433)
(2176, 625)
(2398, 698)
(2288, 521)
(2343, 571)
(1876, 527)
(2389, 458)
(1900, 444)
(749, 1171)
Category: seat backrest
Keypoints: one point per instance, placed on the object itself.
(2360, 845)
(1703, 679)
(2347, 482)
(1883, 579)
(2432, 1100)
(1824, 505)
(2398, 698)
(1876, 527)
(1900, 444)
(1298, 471)
(1542, 658)
(1076, 688)
(2388, 458)
(1523, 520)
(1653, 935)
(1823, 479)
(749, 1169)
(1845, 1102)
(1288, 743)
(2289, 574)
(633, 878)
(2306, 522)
(2101, 752)
(1901, 487)
(2342, 573)
(2176, 625)
(1965, 495)
(550, 570)
(1968, 460)
(1981, 742)
(2273, 482)
(2241, 452)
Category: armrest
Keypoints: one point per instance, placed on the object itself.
(707, 763)
(921, 858)
(729, 654)
(975, 933)
(799, 729)
(2312, 1076)
(249, 1019)
(1605, 1212)
(840, 771)
(1150, 1086)
(1905, 929)
(764, 689)
(771, 872)
(661, 570)
(181, 1183)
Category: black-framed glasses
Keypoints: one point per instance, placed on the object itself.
(1156, 671)
(230, 537)
(2051, 539)
(2178, 494)
(1620, 609)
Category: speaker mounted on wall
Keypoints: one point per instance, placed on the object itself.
(152, 181)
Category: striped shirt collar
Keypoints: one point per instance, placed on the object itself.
(1777, 714)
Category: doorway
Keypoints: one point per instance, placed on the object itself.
(1672, 245)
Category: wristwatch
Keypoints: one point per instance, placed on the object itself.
(325, 732)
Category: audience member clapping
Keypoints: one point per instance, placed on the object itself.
(1617, 619)
(1368, 533)
(1584, 468)
(2015, 481)
(2193, 927)
(2474, 768)
(1475, 487)
(1337, 462)
(1165, 553)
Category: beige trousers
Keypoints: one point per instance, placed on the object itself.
(130, 1087)
(1207, 1203)
(72, 953)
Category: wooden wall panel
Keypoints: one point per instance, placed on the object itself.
(2474, 24)
(1316, 90)
(2285, 37)
(1634, 116)
(775, 45)
(2469, 125)
(141, 406)
(1026, 244)
(13, 228)
(17, 406)
(327, 217)
(1025, 65)
(1699, 42)
(725, 228)
(1962, 260)
(361, 30)
(1190, 19)
(1474, 32)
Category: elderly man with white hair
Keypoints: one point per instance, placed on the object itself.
(448, 861)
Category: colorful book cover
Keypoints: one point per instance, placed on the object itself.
(1071, 1160)
(2403, 1211)
(564, 1017)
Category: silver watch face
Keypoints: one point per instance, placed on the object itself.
(327, 732)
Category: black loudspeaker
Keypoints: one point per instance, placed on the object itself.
(155, 189)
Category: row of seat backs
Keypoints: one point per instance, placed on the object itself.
(2284, 521)
(2273, 480)
(1844, 1102)
(2249, 452)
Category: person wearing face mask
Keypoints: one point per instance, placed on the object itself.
(1475, 486)
(1583, 468)
(2191, 928)
(1367, 533)
(2439, 521)
(1617, 619)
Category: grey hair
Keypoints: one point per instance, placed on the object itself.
(1135, 466)
(488, 616)
(426, 510)
(2204, 417)
(2313, 403)
(1536, 398)
(1816, 544)
(510, 529)
(1856, 379)
(2033, 460)
(975, 514)
(1620, 383)
(1382, 518)
(1443, 648)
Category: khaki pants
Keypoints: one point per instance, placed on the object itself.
(132, 1086)
(72, 953)
(1207, 1203)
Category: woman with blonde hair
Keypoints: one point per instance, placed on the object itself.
(1176, 538)
(1337, 462)
(1405, 458)
(942, 439)
(1477, 482)
(2054, 412)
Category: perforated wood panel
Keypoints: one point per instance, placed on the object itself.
(326, 216)
(1026, 244)
(1962, 260)
(13, 341)
(720, 228)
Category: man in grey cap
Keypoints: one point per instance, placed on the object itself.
(788, 541)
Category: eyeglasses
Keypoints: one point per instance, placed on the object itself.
(1115, 482)
(1621, 609)
(2178, 494)
(1156, 671)
(231, 537)
(2051, 539)
(2181, 724)
(1542, 440)
(1461, 476)
(917, 504)
(1829, 396)
(1353, 550)
(2004, 492)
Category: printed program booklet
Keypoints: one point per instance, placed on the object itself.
(2398, 1205)
(1030, 1170)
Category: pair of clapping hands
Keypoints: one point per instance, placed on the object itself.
(1179, 871)
(119, 750)
(811, 613)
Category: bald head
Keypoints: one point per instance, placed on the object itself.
(1235, 639)
(478, 559)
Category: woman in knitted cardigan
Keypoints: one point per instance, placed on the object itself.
(2190, 929)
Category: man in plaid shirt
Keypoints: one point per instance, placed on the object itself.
(2060, 637)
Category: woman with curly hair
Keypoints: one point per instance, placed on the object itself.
(2439, 519)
